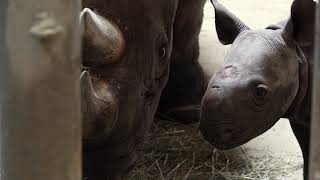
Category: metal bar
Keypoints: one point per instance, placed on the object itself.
(40, 131)
(315, 127)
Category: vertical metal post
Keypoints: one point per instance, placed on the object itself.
(40, 135)
(315, 127)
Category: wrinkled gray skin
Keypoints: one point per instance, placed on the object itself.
(265, 76)
(126, 51)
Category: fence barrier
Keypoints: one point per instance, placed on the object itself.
(40, 135)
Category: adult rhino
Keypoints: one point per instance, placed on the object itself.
(266, 75)
(126, 52)
(126, 59)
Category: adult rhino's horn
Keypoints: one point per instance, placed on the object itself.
(102, 34)
(98, 114)
(88, 104)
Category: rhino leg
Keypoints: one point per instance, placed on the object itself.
(181, 98)
(302, 134)
(187, 83)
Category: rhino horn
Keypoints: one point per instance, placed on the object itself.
(98, 114)
(102, 34)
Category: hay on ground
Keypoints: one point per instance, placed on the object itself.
(175, 151)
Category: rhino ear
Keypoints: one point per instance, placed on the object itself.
(301, 25)
(228, 26)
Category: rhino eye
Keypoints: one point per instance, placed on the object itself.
(162, 52)
(261, 91)
(162, 47)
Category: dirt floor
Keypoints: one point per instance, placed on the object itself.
(178, 152)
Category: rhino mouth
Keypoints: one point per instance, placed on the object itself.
(222, 133)
(223, 143)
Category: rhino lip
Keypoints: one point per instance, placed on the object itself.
(94, 142)
(225, 145)
(230, 136)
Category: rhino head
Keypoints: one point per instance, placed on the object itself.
(126, 50)
(264, 76)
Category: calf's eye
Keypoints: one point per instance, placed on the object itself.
(261, 91)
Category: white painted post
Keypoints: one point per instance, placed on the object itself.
(40, 135)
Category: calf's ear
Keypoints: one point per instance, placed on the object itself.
(301, 25)
(228, 26)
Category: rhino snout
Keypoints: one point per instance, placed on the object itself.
(210, 126)
(216, 124)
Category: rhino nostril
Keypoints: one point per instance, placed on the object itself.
(210, 104)
(215, 87)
